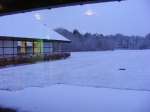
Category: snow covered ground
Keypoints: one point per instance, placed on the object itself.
(98, 69)
(62, 98)
(57, 80)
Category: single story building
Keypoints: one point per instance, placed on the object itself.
(14, 46)
(22, 37)
(21, 50)
(24, 34)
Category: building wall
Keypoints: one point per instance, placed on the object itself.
(10, 48)
(56, 47)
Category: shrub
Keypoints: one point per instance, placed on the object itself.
(57, 56)
(2, 61)
(46, 57)
(7, 110)
(35, 59)
(25, 59)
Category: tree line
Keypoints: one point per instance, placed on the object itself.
(97, 42)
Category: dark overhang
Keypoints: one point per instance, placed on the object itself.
(18, 6)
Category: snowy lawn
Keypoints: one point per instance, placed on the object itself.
(98, 69)
(63, 98)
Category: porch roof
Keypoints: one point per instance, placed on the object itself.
(17, 6)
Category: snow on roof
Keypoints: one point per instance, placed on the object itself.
(26, 26)
(53, 35)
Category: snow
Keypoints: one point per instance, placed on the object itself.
(98, 69)
(85, 82)
(10, 26)
(63, 98)
(52, 35)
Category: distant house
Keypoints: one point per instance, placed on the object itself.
(13, 46)
(20, 50)
(23, 36)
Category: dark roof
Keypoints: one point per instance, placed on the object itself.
(17, 6)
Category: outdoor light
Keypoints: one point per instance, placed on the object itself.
(38, 16)
(90, 13)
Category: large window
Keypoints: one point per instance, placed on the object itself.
(38, 47)
(29, 48)
(25, 48)
(8, 48)
(47, 48)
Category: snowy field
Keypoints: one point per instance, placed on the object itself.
(85, 82)
(98, 69)
(63, 98)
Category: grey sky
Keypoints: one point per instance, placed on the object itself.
(130, 17)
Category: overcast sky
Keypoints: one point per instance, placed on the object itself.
(130, 17)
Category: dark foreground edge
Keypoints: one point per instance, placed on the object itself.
(18, 6)
(7, 110)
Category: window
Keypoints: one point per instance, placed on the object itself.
(8, 48)
(47, 48)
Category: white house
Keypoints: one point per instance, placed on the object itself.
(23, 34)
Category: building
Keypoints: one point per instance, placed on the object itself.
(24, 34)
(21, 50)
(28, 39)
(16, 46)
